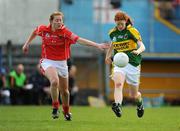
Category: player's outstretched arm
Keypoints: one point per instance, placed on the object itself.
(25, 47)
(83, 41)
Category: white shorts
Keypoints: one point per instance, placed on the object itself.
(132, 73)
(61, 66)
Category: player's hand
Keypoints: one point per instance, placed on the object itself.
(103, 46)
(25, 48)
(136, 52)
(108, 61)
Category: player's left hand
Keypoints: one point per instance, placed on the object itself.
(136, 52)
(103, 46)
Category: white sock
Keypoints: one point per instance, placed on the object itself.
(118, 95)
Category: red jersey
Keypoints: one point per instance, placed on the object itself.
(55, 45)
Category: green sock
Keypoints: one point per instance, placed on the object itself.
(139, 102)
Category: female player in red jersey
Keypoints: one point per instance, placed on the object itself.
(56, 42)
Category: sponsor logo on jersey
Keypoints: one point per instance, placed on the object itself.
(47, 35)
(125, 36)
(120, 36)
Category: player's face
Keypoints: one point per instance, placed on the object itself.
(121, 24)
(57, 22)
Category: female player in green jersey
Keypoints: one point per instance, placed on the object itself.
(125, 38)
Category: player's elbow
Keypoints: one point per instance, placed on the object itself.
(80, 40)
(144, 48)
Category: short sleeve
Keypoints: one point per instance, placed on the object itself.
(110, 33)
(70, 35)
(39, 30)
(135, 34)
(110, 36)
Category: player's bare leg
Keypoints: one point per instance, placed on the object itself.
(119, 79)
(65, 96)
(51, 74)
(136, 95)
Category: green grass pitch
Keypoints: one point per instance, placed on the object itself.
(38, 118)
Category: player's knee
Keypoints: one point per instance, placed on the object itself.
(138, 95)
(65, 92)
(135, 95)
(54, 82)
(118, 85)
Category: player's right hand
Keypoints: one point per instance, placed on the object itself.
(25, 48)
(108, 61)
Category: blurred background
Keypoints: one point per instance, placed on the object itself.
(158, 21)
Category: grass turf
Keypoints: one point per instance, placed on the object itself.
(38, 118)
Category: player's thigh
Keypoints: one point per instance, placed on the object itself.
(133, 90)
(133, 79)
(118, 74)
(133, 75)
(52, 74)
(118, 78)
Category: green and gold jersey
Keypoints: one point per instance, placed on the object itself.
(126, 41)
